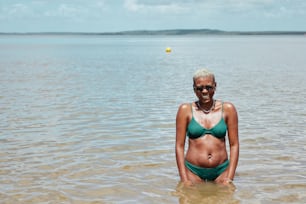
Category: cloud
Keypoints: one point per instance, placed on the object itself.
(166, 6)
(137, 14)
(193, 6)
(15, 10)
(53, 9)
(213, 6)
(66, 11)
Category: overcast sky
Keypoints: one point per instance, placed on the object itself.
(122, 15)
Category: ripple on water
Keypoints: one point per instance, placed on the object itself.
(84, 123)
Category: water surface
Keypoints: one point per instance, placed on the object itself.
(91, 119)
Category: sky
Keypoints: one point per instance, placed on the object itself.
(126, 15)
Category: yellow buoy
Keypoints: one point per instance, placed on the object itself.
(168, 49)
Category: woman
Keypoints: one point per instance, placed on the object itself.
(205, 123)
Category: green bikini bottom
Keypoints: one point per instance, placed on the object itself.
(207, 174)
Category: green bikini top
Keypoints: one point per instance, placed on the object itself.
(196, 130)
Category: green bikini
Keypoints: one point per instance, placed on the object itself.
(194, 131)
(207, 174)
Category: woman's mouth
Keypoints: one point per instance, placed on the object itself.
(205, 97)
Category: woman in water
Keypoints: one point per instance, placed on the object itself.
(205, 122)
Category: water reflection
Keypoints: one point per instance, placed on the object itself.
(206, 193)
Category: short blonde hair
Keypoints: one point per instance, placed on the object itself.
(203, 73)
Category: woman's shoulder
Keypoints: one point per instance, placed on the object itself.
(185, 106)
(228, 107)
(184, 111)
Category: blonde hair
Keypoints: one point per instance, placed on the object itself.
(203, 73)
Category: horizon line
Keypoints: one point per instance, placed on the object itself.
(179, 31)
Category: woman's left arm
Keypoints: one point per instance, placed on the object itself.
(231, 117)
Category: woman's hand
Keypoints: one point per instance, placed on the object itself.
(187, 183)
(224, 179)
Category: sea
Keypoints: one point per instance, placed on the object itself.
(91, 118)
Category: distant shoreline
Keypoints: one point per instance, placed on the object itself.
(164, 32)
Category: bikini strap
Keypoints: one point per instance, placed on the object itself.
(222, 107)
(191, 109)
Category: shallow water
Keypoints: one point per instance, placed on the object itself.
(91, 119)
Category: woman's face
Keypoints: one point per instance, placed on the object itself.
(204, 88)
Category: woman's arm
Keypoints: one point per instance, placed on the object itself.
(232, 124)
(181, 125)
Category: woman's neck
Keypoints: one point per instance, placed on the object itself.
(206, 107)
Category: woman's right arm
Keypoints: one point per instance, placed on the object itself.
(181, 125)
